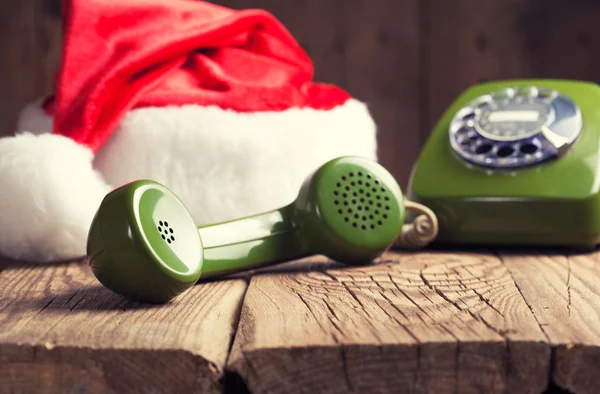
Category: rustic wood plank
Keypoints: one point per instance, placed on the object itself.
(563, 292)
(562, 38)
(62, 332)
(464, 41)
(428, 322)
(30, 38)
(382, 68)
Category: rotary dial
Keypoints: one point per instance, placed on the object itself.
(515, 127)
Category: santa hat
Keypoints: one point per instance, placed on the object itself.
(217, 104)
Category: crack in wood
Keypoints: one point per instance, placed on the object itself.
(540, 325)
(385, 291)
(457, 368)
(342, 350)
(568, 284)
(487, 302)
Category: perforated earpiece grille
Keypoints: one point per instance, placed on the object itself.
(362, 200)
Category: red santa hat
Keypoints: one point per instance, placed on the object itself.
(217, 104)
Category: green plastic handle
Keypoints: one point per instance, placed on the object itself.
(256, 241)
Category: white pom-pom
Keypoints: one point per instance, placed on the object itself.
(49, 194)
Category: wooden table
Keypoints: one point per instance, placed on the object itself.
(427, 322)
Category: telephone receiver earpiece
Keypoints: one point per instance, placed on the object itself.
(144, 244)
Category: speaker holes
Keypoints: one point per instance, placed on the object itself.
(358, 196)
(385, 216)
(166, 233)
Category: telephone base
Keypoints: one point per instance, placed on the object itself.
(483, 198)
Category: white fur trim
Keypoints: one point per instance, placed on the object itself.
(49, 195)
(223, 164)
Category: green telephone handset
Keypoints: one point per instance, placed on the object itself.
(515, 163)
(144, 244)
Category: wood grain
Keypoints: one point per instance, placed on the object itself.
(413, 323)
(62, 332)
(30, 38)
(466, 41)
(563, 292)
(382, 68)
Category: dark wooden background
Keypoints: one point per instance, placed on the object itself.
(408, 59)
